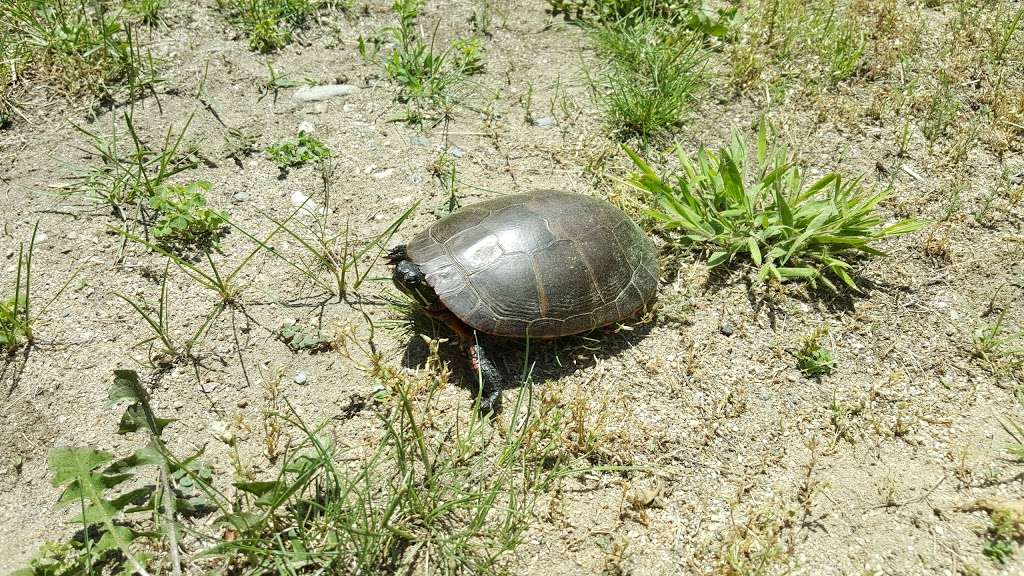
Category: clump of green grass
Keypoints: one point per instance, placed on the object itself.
(126, 175)
(298, 151)
(455, 501)
(183, 220)
(653, 74)
(675, 11)
(1000, 348)
(270, 24)
(812, 358)
(422, 72)
(17, 312)
(767, 213)
(79, 46)
(841, 44)
(146, 10)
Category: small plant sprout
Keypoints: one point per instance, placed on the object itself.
(767, 214)
(183, 221)
(17, 315)
(999, 348)
(812, 358)
(298, 151)
(159, 322)
(302, 338)
(421, 72)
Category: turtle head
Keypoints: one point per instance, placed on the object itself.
(410, 279)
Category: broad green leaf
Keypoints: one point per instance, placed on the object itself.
(258, 488)
(135, 418)
(904, 227)
(755, 252)
(801, 272)
(148, 455)
(717, 258)
(126, 387)
(74, 463)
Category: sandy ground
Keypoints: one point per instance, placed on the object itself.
(858, 472)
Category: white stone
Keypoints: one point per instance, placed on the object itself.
(325, 92)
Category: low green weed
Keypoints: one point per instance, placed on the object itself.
(653, 74)
(269, 24)
(183, 221)
(422, 72)
(79, 46)
(767, 213)
(107, 491)
(17, 315)
(298, 151)
(302, 338)
(812, 358)
(126, 175)
(999, 347)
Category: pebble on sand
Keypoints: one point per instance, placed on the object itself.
(324, 92)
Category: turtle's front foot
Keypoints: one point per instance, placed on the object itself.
(489, 380)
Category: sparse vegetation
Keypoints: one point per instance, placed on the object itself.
(19, 311)
(298, 151)
(126, 176)
(78, 46)
(270, 24)
(319, 426)
(183, 220)
(653, 75)
(767, 213)
(999, 348)
(408, 492)
(812, 358)
(15, 311)
(423, 73)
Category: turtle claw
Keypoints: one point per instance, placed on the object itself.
(490, 381)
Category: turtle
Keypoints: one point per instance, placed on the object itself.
(537, 265)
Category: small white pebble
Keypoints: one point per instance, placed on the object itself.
(300, 378)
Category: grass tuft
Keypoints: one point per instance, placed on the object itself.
(425, 72)
(653, 74)
(767, 213)
(270, 24)
(83, 47)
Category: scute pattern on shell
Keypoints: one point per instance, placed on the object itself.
(540, 265)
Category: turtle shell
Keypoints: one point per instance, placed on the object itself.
(539, 265)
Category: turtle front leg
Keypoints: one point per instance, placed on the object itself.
(490, 382)
(489, 379)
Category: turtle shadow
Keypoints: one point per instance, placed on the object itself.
(521, 361)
